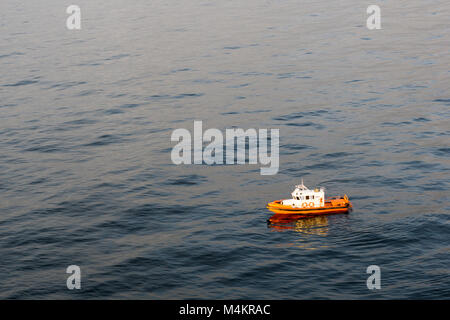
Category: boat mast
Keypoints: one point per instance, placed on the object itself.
(302, 186)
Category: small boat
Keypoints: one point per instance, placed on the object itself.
(307, 203)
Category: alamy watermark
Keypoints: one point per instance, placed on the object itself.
(213, 153)
(73, 22)
(374, 20)
(374, 280)
(74, 280)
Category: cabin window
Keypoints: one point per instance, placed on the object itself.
(307, 197)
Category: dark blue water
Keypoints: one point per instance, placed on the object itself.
(86, 176)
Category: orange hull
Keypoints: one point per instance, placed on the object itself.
(332, 206)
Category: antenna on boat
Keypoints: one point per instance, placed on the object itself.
(302, 186)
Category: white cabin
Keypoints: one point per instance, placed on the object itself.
(302, 197)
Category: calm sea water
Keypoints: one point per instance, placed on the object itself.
(86, 176)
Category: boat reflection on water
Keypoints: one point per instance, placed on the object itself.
(307, 225)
